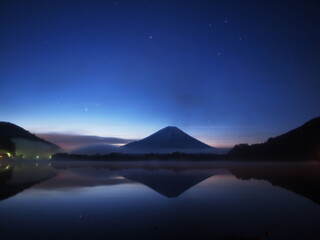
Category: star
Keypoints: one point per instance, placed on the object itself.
(150, 37)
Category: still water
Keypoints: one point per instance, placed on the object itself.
(159, 200)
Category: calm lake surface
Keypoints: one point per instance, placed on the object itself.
(159, 200)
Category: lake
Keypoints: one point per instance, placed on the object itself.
(159, 200)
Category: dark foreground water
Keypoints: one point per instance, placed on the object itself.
(154, 200)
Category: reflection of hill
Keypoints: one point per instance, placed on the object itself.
(302, 179)
(6, 174)
(7, 191)
(167, 183)
(13, 180)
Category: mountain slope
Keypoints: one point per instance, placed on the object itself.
(13, 131)
(302, 142)
(14, 138)
(169, 139)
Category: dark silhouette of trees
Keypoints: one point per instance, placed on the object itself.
(11, 131)
(7, 145)
(301, 143)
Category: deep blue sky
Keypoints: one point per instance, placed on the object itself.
(223, 71)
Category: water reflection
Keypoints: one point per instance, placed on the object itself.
(15, 178)
(167, 200)
(169, 179)
(303, 179)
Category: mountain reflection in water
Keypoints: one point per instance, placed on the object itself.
(227, 191)
(167, 179)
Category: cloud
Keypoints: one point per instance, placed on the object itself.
(98, 148)
(69, 141)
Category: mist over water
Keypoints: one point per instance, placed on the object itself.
(33, 149)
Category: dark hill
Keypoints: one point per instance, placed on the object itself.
(302, 142)
(169, 139)
(9, 131)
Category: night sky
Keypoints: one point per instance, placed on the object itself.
(225, 72)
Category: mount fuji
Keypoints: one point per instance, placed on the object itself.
(167, 140)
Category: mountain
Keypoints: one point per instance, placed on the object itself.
(15, 139)
(169, 139)
(13, 131)
(300, 143)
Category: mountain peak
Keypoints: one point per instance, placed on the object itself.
(170, 132)
(171, 127)
(169, 139)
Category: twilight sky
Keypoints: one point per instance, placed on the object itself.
(225, 72)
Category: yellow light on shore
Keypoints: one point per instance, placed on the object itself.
(9, 154)
(37, 157)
